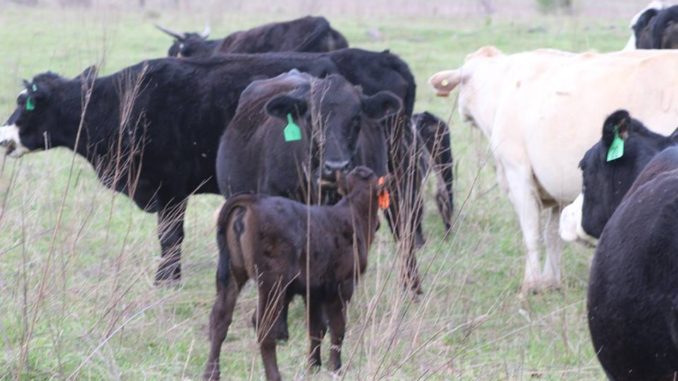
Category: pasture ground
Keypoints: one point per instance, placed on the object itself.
(77, 260)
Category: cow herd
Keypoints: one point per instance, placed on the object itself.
(307, 139)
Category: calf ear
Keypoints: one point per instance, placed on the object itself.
(381, 105)
(444, 82)
(618, 123)
(281, 105)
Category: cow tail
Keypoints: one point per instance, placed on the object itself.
(235, 207)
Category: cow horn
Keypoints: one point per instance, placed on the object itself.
(205, 33)
(178, 36)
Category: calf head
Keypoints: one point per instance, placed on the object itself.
(609, 169)
(34, 123)
(188, 44)
(362, 186)
(333, 112)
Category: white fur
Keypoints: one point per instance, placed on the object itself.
(10, 134)
(571, 229)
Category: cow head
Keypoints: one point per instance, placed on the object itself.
(332, 112)
(609, 169)
(188, 44)
(33, 124)
(641, 36)
(473, 102)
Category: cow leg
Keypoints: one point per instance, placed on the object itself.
(220, 320)
(526, 204)
(171, 235)
(316, 331)
(336, 312)
(554, 246)
(408, 233)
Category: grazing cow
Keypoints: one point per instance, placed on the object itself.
(290, 248)
(151, 131)
(655, 27)
(306, 34)
(606, 178)
(540, 115)
(632, 296)
(435, 134)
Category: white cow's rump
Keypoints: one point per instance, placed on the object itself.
(541, 111)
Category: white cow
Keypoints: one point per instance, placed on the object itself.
(656, 5)
(541, 111)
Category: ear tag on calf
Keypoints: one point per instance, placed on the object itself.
(383, 199)
(616, 149)
(30, 105)
(292, 132)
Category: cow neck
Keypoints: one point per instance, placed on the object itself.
(360, 206)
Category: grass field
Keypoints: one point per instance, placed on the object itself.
(77, 260)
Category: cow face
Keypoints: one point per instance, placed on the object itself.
(609, 172)
(188, 44)
(333, 112)
(31, 125)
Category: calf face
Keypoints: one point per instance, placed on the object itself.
(608, 174)
(34, 123)
(334, 111)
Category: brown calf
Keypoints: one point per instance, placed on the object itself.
(294, 249)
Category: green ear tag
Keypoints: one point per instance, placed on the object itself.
(292, 132)
(30, 106)
(35, 87)
(616, 149)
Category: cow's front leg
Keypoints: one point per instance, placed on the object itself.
(522, 194)
(171, 235)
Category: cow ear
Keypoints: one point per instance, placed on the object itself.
(281, 105)
(444, 82)
(617, 124)
(381, 105)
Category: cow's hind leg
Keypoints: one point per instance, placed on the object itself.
(171, 235)
(272, 298)
(526, 204)
(551, 277)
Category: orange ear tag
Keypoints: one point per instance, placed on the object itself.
(384, 199)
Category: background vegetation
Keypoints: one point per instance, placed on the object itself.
(77, 260)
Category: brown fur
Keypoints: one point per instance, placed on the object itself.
(275, 241)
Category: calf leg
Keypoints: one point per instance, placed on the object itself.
(316, 331)
(220, 320)
(336, 312)
(554, 247)
(526, 204)
(171, 235)
(272, 298)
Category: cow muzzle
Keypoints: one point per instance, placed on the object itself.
(570, 226)
(330, 169)
(9, 138)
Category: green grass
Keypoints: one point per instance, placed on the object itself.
(85, 275)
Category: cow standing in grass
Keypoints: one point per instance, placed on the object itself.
(541, 111)
(291, 248)
(151, 131)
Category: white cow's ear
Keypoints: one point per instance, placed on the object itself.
(444, 82)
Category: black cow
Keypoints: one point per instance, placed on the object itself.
(657, 28)
(164, 148)
(606, 182)
(306, 34)
(633, 288)
(435, 134)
